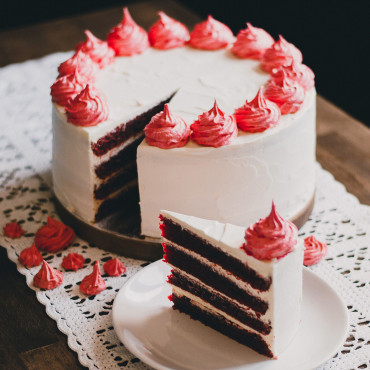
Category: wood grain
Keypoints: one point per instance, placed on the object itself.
(29, 339)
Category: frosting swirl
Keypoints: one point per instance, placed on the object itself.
(211, 35)
(66, 88)
(214, 128)
(314, 251)
(168, 33)
(98, 50)
(114, 267)
(13, 230)
(280, 53)
(47, 277)
(30, 257)
(167, 130)
(73, 261)
(88, 108)
(93, 284)
(127, 38)
(297, 72)
(252, 42)
(54, 236)
(286, 93)
(270, 237)
(80, 62)
(257, 115)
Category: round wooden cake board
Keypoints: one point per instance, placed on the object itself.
(120, 233)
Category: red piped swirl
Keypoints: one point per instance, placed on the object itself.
(30, 257)
(13, 230)
(270, 237)
(257, 115)
(214, 128)
(297, 72)
(314, 251)
(93, 284)
(47, 277)
(252, 42)
(80, 62)
(280, 53)
(54, 236)
(73, 261)
(168, 33)
(88, 108)
(98, 50)
(67, 87)
(167, 130)
(286, 93)
(114, 267)
(211, 35)
(127, 38)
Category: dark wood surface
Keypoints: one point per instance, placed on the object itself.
(29, 339)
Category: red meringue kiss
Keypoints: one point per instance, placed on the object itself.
(114, 267)
(13, 230)
(73, 261)
(314, 252)
(93, 284)
(30, 257)
(47, 277)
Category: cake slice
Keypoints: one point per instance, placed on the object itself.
(245, 283)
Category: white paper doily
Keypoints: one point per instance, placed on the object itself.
(25, 197)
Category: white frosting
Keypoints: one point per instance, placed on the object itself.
(284, 296)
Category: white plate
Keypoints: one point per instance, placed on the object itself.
(167, 339)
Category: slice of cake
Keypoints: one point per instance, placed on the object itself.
(245, 283)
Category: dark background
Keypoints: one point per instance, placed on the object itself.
(332, 35)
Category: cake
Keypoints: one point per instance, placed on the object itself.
(244, 283)
(109, 91)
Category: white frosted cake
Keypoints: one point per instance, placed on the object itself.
(109, 91)
(218, 279)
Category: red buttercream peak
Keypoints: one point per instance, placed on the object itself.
(257, 115)
(30, 257)
(93, 284)
(167, 130)
(214, 128)
(127, 38)
(88, 108)
(47, 277)
(211, 35)
(114, 267)
(270, 237)
(314, 252)
(13, 230)
(73, 261)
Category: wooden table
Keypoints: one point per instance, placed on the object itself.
(29, 339)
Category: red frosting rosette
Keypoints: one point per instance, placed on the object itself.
(47, 277)
(214, 128)
(167, 130)
(13, 230)
(314, 252)
(88, 108)
(93, 284)
(211, 35)
(67, 87)
(54, 236)
(286, 93)
(168, 33)
(73, 261)
(98, 50)
(114, 267)
(270, 237)
(252, 42)
(30, 257)
(80, 62)
(127, 38)
(297, 72)
(280, 53)
(257, 115)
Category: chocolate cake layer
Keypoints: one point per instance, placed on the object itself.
(218, 301)
(124, 131)
(128, 173)
(115, 163)
(175, 233)
(221, 324)
(196, 268)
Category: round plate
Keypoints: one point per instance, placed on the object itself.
(165, 339)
